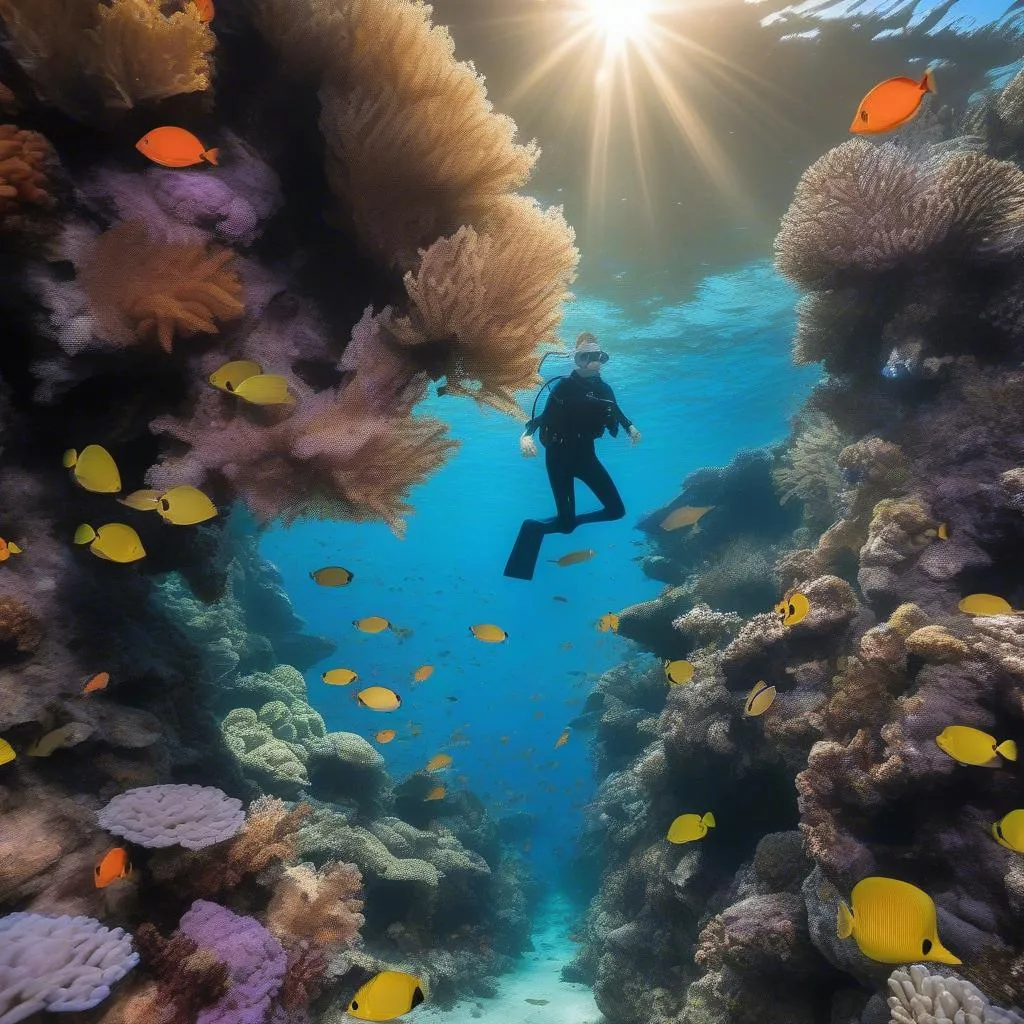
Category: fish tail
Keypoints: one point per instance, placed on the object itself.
(844, 921)
(212, 156)
(928, 82)
(696, 529)
(1008, 749)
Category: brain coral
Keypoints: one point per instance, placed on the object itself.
(58, 963)
(190, 816)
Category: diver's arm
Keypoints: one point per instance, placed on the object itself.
(622, 419)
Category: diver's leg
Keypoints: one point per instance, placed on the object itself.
(598, 479)
(523, 560)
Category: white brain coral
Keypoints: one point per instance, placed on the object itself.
(922, 998)
(190, 816)
(58, 963)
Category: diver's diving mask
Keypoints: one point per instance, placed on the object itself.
(582, 358)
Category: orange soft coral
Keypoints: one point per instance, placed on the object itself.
(25, 158)
(319, 906)
(139, 288)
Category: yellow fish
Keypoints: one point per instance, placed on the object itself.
(688, 515)
(984, 604)
(563, 738)
(688, 827)
(489, 634)
(608, 623)
(438, 761)
(437, 793)
(1008, 831)
(144, 500)
(7, 754)
(385, 735)
(892, 922)
(264, 389)
(423, 673)
(379, 698)
(339, 676)
(386, 996)
(8, 548)
(113, 542)
(94, 469)
(678, 672)
(968, 745)
(574, 557)
(793, 609)
(185, 505)
(332, 576)
(51, 741)
(759, 700)
(944, 531)
(371, 624)
(230, 375)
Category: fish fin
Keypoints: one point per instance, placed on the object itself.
(709, 820)
(844, 921)
(928, 82)
(212, 156)
(13, 548)
(1008, 749)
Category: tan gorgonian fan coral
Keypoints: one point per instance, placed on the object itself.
(321, 906)
(89, 59)
(493, 296)
(809, 470)
(141, 289)
(25, 159)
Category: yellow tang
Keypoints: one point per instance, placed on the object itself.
(379, 698)
(563, 738)
(339, 676)
(968, 745)
(985, 604)
(142, 501)
(793, 609)
(892, 922)
(489, 634)
(332, 576)
(608, 623)
(386, 996)
(1008, 831)
(678, 672)
(371, 624)
(94, 469)
(7, 753)
(53, 740)
(759, 700)
(944, 531)
(688, 515)
(230, 375)
(574, 557)
(437, 793)
(688, 827)
(264, 389)
(423, 673)
(185, 505)
(113, 542)
(439, 761)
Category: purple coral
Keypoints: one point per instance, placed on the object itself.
(255, 959)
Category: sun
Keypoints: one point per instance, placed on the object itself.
(618, 21)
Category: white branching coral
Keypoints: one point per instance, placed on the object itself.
(190, 816)
(922, 998)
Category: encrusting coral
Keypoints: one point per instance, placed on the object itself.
(27, 161)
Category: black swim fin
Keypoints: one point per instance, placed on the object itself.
(523, 560)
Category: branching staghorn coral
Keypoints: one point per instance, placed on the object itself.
(26, 162)
(141, 288)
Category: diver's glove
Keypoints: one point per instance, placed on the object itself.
(634, 435)
(527, 447)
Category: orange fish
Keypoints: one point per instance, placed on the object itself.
(563, 739)
(96, 683)
(385, 735)
(439, 761)
(437, 793)
(8, 548)
(114, 864)
(205, 9)
(174, 147)
(890, 104)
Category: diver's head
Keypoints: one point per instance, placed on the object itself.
(589, 357)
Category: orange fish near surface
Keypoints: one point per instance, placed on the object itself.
(890, 104)
(8, 548)
(174, 147)
(114, 864)
(205, 9)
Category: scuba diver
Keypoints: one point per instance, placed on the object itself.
(580, 408)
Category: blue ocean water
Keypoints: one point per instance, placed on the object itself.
(702, 381)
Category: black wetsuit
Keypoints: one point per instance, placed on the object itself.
(578, 411)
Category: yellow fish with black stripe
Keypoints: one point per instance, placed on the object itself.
(386, 996)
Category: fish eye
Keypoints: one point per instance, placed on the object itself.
(791, 610)
(228, 386)
(863, 115)
(354, 1006)
(926, 946)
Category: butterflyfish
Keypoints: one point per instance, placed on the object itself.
(488, 633)
(574, 557)
(185, 505)
(563, 738)
(204, 9)
(230, 375)
(890, 104)
(379, 698)
(332, 576)
(944, 531)
(144, 500)
(984, 604)
(113, 542)
(759, 700)
(96, 683)
(439, 761)
(113, 865)
(678, 672)
(793, 609)
(423, 673)
(339, 676)
(968, 745)
(53, 740)
(688, 515)
(174, 147)
(94, 469)
(386, 996)
(371, 624)
(1008, 831)
(385, 735)
(8, 548)
(264, 389)
(437, 793)
(608, 623)
(7, 754)
(689, 827)
(892, 922)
